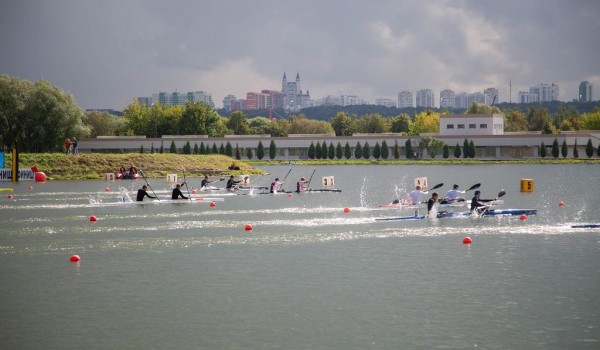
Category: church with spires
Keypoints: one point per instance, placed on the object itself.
(294, 99)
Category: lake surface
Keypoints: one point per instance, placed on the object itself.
(309, 275)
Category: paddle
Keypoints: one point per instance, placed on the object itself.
(487, 207)
(285, 177)
(186, 185)
(309, 180)
(473, 187)
(148, 184)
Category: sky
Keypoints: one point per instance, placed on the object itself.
(109, 52)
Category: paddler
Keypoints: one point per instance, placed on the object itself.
(275, 185)
(415, 196)
(142, 193)
(205, 182)
(432, 201)
(454, 195)
(177, 192)
(231, 183)
(301, 185)
(478, 205)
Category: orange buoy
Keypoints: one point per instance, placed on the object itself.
(523, 217)
(10, 196)
(289, 195)
(75, 258)
(346, 210)
(561, 204)
(467, 240)
(93, 218)
(107, 189)
(212, 204)
(248, 227)
(39, 177)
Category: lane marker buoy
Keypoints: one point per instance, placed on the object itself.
(212, 204)
(561, 204)
(467, 240)
(346, 210)
(523, 217)
(248, 227)
(75, 258)
(92, 218)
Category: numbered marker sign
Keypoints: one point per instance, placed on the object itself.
(327, 181)
(421, 181)
(245, 180)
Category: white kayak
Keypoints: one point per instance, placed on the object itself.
(193, 200)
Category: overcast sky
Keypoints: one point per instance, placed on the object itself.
(108, 52)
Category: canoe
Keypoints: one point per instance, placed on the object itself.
(444, 214)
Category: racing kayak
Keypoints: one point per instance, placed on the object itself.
(586, 226)
(443, 204)
(162, 201)
(444, 214)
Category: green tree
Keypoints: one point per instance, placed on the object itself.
(446, 151)
(142, 149)
(358, 151)
(331, 151)
(100, 124)
(312, 152)
(543, 150)
(466, 150)
(564, 151)
(173, 148)
(396, 150)
(401, 124)
(238, 153)
(342, 124)
(202, 148)
(425, 122)
(339, 153)
(589, 149)
(318, 151)
(324, 150)
(214, 149)
(515, 120)
(347, 151)
(385, 151)
(228, 149)
(299, 124)
(249, 153)
(162, 149)
(152, 148)
(472, 151)
(432, 145)
(222, 149)
(366, 151)
(260, 151)
(481, 108)
(372, 123)
(272, 150)
(196, 149)
(187, 148)
(575, 150)
(408, 150)
(377, 150)
(591, 121)
(238, 123)
(457, 152)
(537, 119)
(555, 149)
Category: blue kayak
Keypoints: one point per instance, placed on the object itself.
(445, 214)
(586, 226)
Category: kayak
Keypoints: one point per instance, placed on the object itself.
(162, 201)
(443, 204)
(586, 226)
(444, 214)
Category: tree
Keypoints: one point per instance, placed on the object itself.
(377, 150)
(358, 150)
(214, 149)
(162, 149)
(339, 153)
(401, 124)
(385, 151)
(260, 151)
(425, 122)
(342, 124)
(466, 150)
(372, 124)
(589, 149)
(238, 154)
(515, 120)
(173, 148)
(299, 124)
(312, 152)
(100, 124)
(228, 149)
(408, 151)
(196, 151)
(152, 148)
(272, 150)
(396, 150)
(249, 153)
(432, 145)
(472, 151)
(318, 151)
(142, 149)
(564, 150)
(347, 151)
(198, 118)
(202, 148)
(331, 151)
(238, 123)
(457, 152)
(324, 150)
(537, 118)
(187, 148)
(575, 151)
(366, 151)
(221, 149)
(555, 149)
(446, 151)
(591, 121)
(481, 108)
(543, 150)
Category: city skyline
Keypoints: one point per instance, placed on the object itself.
(107, 53)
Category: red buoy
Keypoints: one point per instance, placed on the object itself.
(248, 227)
(194, 191)
(75, 258)
(107, 189)
(561, 204)
(39, 177)
(467, 240)
(346, 210)
(212, 204)
(523, 217)
(30, 188)
(289, 195)
(92, 218)
(10, 196)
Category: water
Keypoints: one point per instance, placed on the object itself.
(308, 276)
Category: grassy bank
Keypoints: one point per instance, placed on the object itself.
(93, 166)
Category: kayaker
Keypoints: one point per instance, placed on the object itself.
(205, 182)
(142, 193)
(177, 192)
(454, 195)
(300, 185)
(415, 196)
(274, 185)
(478, 205)
(231, 183)
(432, 201)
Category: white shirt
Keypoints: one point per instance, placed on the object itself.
(415, 196)
(453, 194)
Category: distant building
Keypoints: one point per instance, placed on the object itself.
(461, 100)
(491, 96)
(294, 99)
(387, 102)
(228, 102)
(405, 99)
(585, 92)
(472, 124)
(527, 97)
(545, 92)
(177, 98)
(342, 100)
(424, 98)
(447, 99)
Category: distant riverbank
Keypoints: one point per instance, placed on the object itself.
(60, 166)
(440, 161)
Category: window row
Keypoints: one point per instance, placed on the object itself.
(462, 126)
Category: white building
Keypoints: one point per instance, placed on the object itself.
(387, 102)
(461, 100)
(545, 92)
(491, 96)
(472, 124)
(527, 97)
(447, 99)
(405, 99)
(424, 98)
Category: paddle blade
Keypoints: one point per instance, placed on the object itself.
(501, 193)
(437, 186)
(395, 201)
(474, 187)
